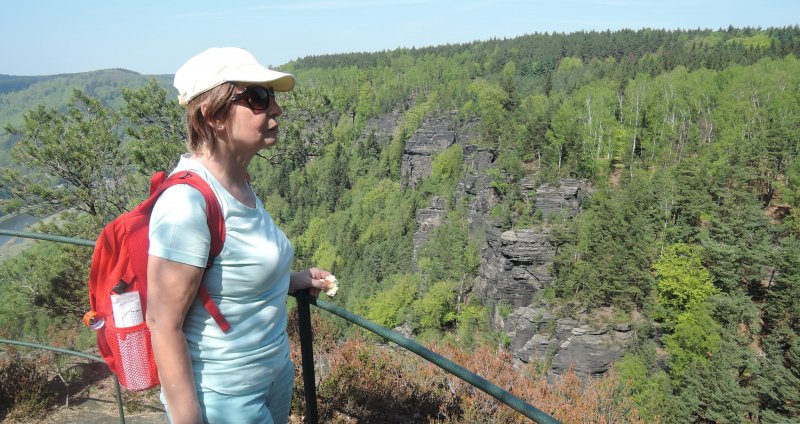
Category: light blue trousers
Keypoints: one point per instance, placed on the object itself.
(269, 406)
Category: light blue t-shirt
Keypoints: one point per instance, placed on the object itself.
(249, 282)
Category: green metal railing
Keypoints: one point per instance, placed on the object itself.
(304, 300)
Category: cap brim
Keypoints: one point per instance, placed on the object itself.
(278, 81)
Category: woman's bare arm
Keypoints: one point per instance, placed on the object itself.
(171, 289)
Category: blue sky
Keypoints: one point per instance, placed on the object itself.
(43, 37)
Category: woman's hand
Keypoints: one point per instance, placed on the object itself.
(312, 279)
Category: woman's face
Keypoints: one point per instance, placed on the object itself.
(253, 127)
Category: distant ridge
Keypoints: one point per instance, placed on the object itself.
(12, 83)
(9, 83)
(19, 94)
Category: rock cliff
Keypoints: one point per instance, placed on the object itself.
(515, 265)
(435, 134)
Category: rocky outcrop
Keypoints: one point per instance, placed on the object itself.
(436, 133)
(476, 186)
(529, 330)
(564, 198)
(427, 220)
(566, 343)
(590, 353)
(516, 264)
(380, 128)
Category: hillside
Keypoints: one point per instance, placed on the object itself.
(9, 83)
(19, 94)
(620, 206)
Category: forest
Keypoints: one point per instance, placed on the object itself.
(689, 139)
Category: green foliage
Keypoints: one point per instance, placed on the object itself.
(42, 287)
(778, 378)
(758, 41)
(157, 127)
(695, 339)
(489, 106)
(389, 307)
(74, 164)
(683, 282)
(435, 310)
(21, 94)
(449, 253)
(472, 319)
(391, 157)
(605, 258)
(718, 387)
(446, 166)
(648, 387)
(504, 309)
(76, 157)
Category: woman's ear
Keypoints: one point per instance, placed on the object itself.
(213, 123)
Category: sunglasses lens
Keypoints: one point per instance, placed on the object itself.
(258, 98)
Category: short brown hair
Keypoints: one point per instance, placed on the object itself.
(217, 101)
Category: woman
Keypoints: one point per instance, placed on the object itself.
(244, 375)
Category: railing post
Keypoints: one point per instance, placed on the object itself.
(307, 354)
(119, 400)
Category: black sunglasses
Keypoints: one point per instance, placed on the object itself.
(257, 97)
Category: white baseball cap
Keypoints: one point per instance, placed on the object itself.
(225, 64)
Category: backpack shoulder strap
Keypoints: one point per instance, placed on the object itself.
(214, 218)
(216, 227)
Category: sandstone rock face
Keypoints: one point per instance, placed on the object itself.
(381, 127)
(590, 352)
(515, 265)
(476, 186)
(527, 328)
(435, 134)
(564, 198)
(427, 220)
(565, 343)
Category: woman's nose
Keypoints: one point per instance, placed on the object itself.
(274, 108)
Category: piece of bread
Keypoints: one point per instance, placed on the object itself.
(330, 285)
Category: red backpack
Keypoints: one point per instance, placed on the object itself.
(119, 273)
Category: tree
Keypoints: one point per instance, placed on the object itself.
(695, 338)
(489, 104)
(73, 163)
(648, 385)
(779, 377)
(683, 282)
(607, 262)
(390, 307)
(157, 127)
(74, 160)
(436, 309)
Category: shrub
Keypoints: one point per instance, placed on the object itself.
(23, 387)
(379, 384)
